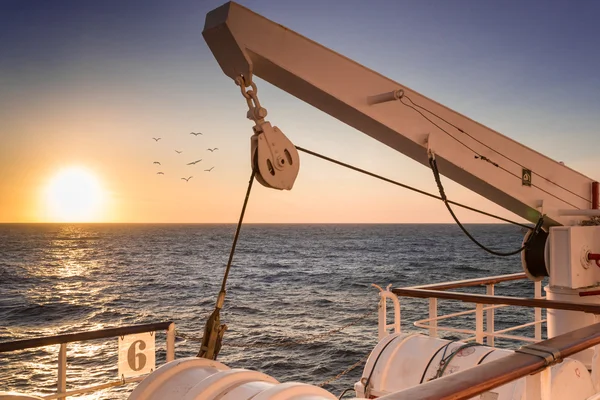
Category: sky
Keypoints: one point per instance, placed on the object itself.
(89, 84)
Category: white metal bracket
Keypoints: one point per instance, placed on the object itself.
(550, 355)
(429, 145)
(385, 97)
(540, 207)
(382, 324)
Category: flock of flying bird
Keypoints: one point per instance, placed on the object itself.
(190, 163)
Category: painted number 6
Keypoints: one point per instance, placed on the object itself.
(139, 358)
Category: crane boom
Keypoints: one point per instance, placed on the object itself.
(498, 168)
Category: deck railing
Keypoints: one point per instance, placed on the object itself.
(480, 311)
(467, 384)
(64, 339)
(485, 306)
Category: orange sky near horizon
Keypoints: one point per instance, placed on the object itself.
(99, 106)
(134, 193)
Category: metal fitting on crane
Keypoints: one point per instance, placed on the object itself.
(385, 97)
(273, 156)
(594, 257)
(256, 112)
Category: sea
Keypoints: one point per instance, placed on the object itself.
(300, 302)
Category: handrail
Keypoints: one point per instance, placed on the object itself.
(482, 378)
(79, 336)
(63, 339)
(485, 299)
(488, 280)
(442, 290)
(89, 389)
(426, 323)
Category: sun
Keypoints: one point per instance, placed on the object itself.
(74, 195)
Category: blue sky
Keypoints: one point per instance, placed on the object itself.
(91, 82)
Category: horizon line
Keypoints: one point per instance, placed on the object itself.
(257, 223)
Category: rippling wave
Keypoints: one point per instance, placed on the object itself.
(287, 282)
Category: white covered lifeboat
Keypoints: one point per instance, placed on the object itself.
(202, 379)
(401, 361)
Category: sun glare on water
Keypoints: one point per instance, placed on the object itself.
(74, 195)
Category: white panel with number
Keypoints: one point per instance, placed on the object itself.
(136, 354)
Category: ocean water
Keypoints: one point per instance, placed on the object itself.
(288, 282)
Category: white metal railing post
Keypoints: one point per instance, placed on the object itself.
(382, 318)
(61, 386)
(538, 311)
(489, 317)
(397, 320)
(171, 342)
(433, 331)
(479, 323)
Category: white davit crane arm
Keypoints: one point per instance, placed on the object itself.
(500, 169)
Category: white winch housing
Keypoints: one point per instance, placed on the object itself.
(401, 361)
(561, 321)
(194, 378)
(572, 274)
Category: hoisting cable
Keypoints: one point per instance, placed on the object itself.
(482, 157)
(362, 171)
(491, 148)
(214, 331)
(436, 174)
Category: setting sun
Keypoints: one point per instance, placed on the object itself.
(74, 195)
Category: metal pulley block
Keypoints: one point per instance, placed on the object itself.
(275, 157)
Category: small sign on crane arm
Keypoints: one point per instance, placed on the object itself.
(526, 177)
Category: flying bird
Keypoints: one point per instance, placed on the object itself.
(195, 133)
(211, 150)
(178, 152)
(156, 162)
(194, 162)
(208, 170)
(157, 139)
(160, 173)
(187, 179)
